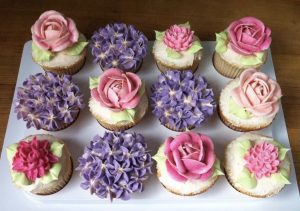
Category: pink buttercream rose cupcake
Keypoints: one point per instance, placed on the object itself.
(57, 45)
(241, 46)
(187, 164)
(249, 102)
(177, 48)
(257, 165)
(118, 99)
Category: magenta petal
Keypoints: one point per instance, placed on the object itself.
(178, 162)
(135, 84)
(207, 175)
(173, 173)
(193, 166)
(167, 145)
(132, 103)
(180, 139)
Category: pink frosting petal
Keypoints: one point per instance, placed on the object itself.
(206, 175)
(173, 173)
(132, 103)
(49, 13)
(178, 162)
(193, 165)
(106, 76)
(179, 140)
(167, 145)
(72, 28)
(136, 84)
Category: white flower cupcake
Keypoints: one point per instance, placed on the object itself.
(257, 165)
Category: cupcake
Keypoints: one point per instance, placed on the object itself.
(48, 101)
(181, 100)
(241, 46)
(177, 48)
(257, 165)
(118, 45)
(40, 164)
(187, 164)
(118, 99)
(249, 102)
(115, 166)
(57, 45)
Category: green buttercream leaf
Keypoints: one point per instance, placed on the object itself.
(217, 168)
(142, 89)
(126, 115)
(173, 54)
(159, 35)
(243, 148)
(281, 177)
(222, 40)
(41, 55)
(196, 46)
(246, 179)
(160, 157)
(56, 148)
(52, 174)
(19, 179)
(238, 111)
(11, 151)
(94, 81)
(276, 143)
(282, 153)
(77, 47)
(186, 25)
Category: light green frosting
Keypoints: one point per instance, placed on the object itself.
(238, 111)
(78, 47)
(20, 179)
(221, 47)
(159, 35)
(41, 55)
(94, 81)
(248, 180)
(217, 168)
(173, 54)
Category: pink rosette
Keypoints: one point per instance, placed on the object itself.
(262, 160)
(178, 38)
(190, 156)
(248, 36)
(53, 32)
(257, 93)
(33, 158)
(118, 90)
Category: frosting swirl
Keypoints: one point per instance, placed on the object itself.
(190, 156)
(257, 93)
(54, 32)
(249, 35)
(118, 90)
(33, 158)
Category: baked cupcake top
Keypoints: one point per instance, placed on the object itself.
(177, 45)
(182, 100)
(244, 42)
(188, 157)
(35, 161)
(117, 95)
(255, 95)
(257, 165)
(48, 101)
(55, 35)
(115, 165)
(119, 45)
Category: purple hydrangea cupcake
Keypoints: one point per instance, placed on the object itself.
(118, 45)
(181, 100)
(48, 101)
(115, 165)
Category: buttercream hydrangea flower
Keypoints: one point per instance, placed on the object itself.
(115, 165)
(48, 101)
(120, 46)
(182, 100)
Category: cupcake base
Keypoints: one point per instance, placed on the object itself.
(164, 68)
(227, 69)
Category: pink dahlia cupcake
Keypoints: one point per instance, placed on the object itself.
(177, 48)
(257, 165)
(118, 99)
(249, 102)
(40, 164)
(57, 45)
(242, 45)
(187, 164)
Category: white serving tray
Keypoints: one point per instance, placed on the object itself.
(221, 195)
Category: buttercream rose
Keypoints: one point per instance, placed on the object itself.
(190, 156)
(53, 32)
(257, 93)
(178, 38)
(33, 158)
(249, 35)
(118, 90)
